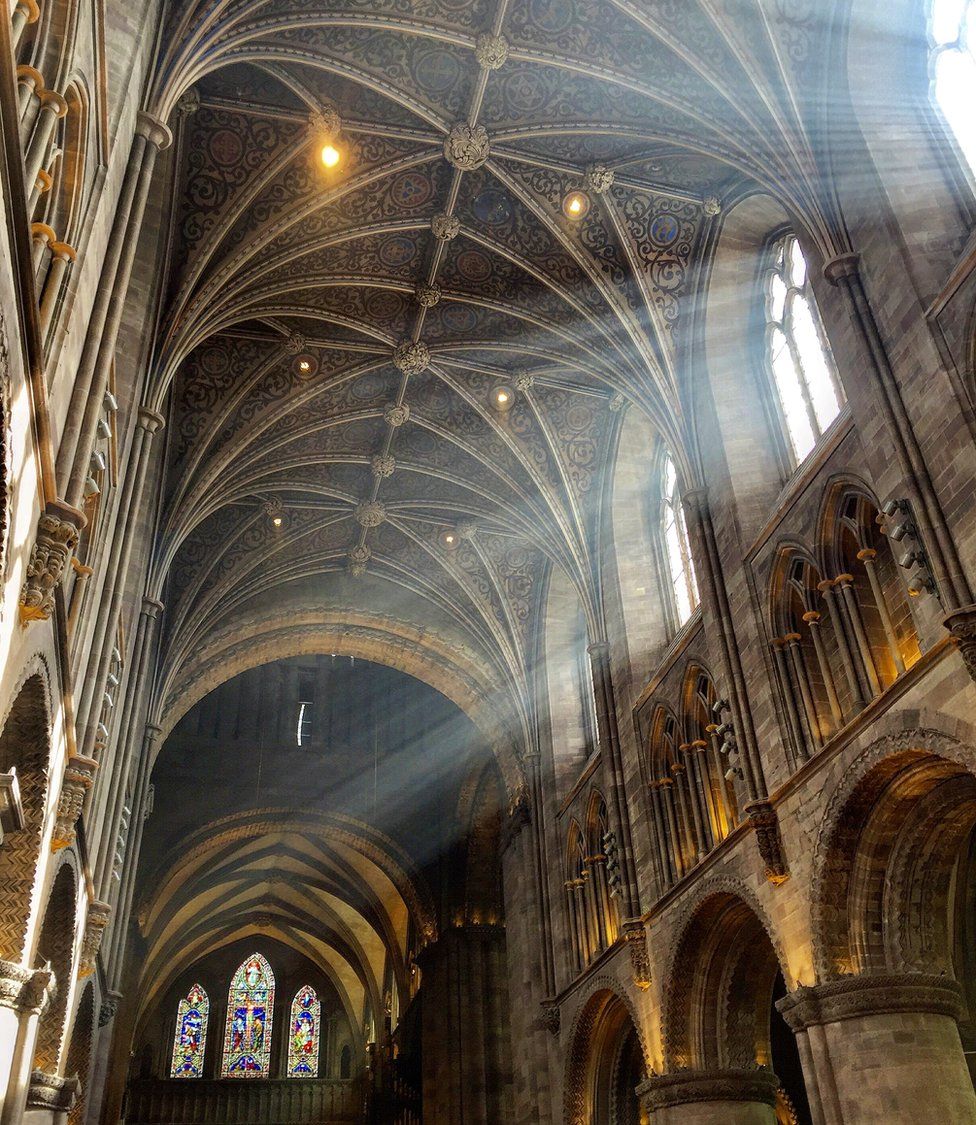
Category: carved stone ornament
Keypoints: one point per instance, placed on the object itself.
(617, 402)
(466, 529)
(466, 146)
(325, 122)
(396, 415)
(412, 358)
(598, 178)
(25, 990)
(79, 777)
(523, 382)
(765, 823)
(51, 1092)
(108, 1009)
(871, 995)
(98, 916)
(371, 513)
(428, 296)
(712, 206)
(383, 465)
(189, 102)
(519, 817)
(686, 1087)
(640, 961)
(445, 227)
(549, 1019)
(295, 343)
(57, 536)
(962, 626)
(491, 51)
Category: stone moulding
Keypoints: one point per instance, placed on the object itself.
(871, 995)
(684, 1087)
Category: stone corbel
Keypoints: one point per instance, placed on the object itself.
(640, 961)
(25, 990)
(765, 823)
(519, 816)
(961, 624)
(57, 536)
(51, 1092)
(79, 777)
(98, 916)
(109, 1008)
(549, 1018)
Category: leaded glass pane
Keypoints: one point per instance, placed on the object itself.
(190, 1040)
(953, 32)
(250, 1008)
(676, 546)
(303, 1044)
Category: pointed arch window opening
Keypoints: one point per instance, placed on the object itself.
(800, 363)
(952, 71)
(190, 1040)
(250, 1011)
(677, 547)
(303, 1041)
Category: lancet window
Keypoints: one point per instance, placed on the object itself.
(250, 1008)
(798, 356)
(677, 548)
(190, 1040)
(952, 68)
(303, 1042)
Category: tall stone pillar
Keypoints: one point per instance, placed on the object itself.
(711, 1097)
(24, 994)
(883, 1048)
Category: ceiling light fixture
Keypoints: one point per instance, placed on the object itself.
(330, 155)
(575, 205)
(502, 398)
(305, 365)
(449, 539)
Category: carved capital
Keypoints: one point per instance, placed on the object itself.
(57, 536)
(152, 607)
(98, 916)
(189, 102)
(79, 777)
(961, 624)
(156, 132)
(549, 1018)
(109, 1008)
(765, 823)
(151, 420)
(25, 990)
(640, 961)
(685, 1087)
(49, 1091)
(871, 995)
(844, 265)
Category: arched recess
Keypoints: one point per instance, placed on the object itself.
(636, 543)
(606, 1064)
(719, 1009)
(55, 946)
(61, 205)
(572, 710)
(749, 433)
(24, 747)
(79, 1056)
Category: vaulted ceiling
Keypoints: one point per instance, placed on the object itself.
(332, 340)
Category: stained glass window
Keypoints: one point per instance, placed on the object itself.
(676, 546)
(952, 30)
(303, 1044)
(250, 1007)
(190, 1040)
(797, 350)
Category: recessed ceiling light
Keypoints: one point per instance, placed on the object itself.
(277, 521)
(330, 155)
(575, 204)
(502, 398)
(450, 539)
(305, 365)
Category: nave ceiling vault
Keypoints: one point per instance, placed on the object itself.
(433, 266)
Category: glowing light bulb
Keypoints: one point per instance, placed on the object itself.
(330, 155)
(448, 538)
(502, 397)
(304, 366)
(277, 521)
(576, 204)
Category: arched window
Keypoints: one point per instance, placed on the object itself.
(303, 1044)
(799, 358)
(952, 32)
(677, 549)
(250, 1007)
(190, 1040)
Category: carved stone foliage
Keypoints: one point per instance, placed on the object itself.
(98, 916)
(765, 823)
(79, 777)
(57, 536)
(466, 146)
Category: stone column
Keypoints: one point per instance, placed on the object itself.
(24, 994)
(837, 616)
(845, 583)
(868, 556)
(661, 835)
(53, 107)
(884, 1047)
(803, 687)
(691, 785)
(25, 13)
(711, 1097)
(151, 137)
(666, 785)
(117, 572)
(62, 255)
(606, 713)
(812, 618)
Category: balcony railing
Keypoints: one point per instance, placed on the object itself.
(177, 1101)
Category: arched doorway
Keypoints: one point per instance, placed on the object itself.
(606, 1065)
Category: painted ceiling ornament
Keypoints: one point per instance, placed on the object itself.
(189, 102)
(712, 206)
(445, 227)
(273, 508)
(617, 402)
(411, 357)
(325, 122)
(466, 146)
(491, 51)
(358, 557)
(371, 513)
(466, 529)
(295, 343)
(598, 178)
(428, 295)
(383, 465)
(396, 414)
(524, 381)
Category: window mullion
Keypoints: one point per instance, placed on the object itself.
(801, 375)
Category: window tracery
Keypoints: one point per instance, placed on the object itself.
(250, 1008)
(797, 352)
(677, 548)
(190, 1040)
(303, 1042)
(952, 67)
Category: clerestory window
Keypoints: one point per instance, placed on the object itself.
(952, 67)
(677, 549)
